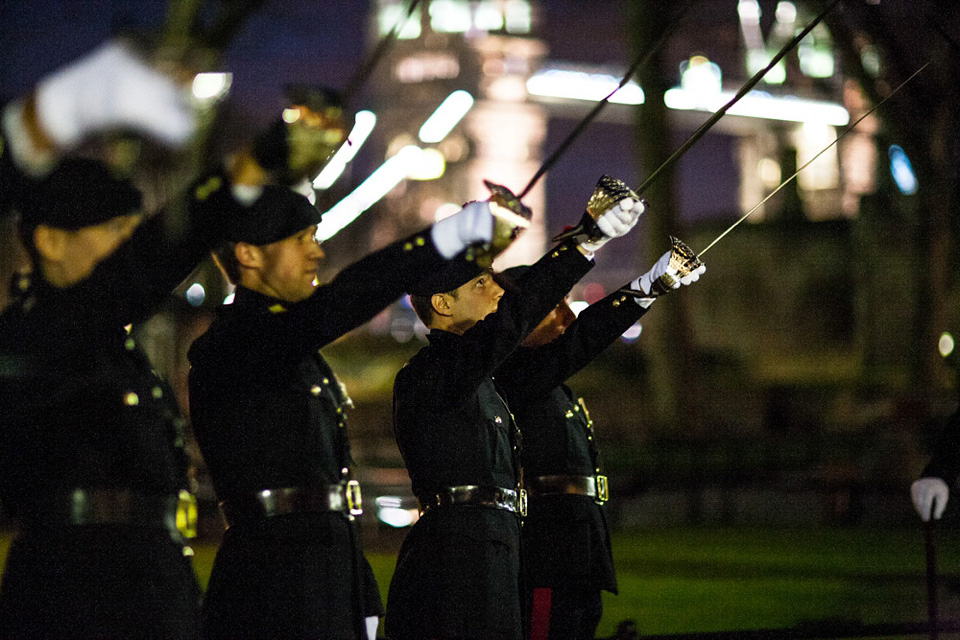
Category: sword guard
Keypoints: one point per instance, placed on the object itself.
(510, 218)
(608, 192)
(683, 261)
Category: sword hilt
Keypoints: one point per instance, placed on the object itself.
(683, 261)
(510, 218)
(608, 192)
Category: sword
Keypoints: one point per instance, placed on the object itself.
(588, 226)
(820, 153)
(366, 67)
(931, 557)
(639, 63)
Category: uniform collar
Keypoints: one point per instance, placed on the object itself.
(248, 298)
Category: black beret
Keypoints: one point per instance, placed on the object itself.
(79, 193)
(277, 214)
(451, 275)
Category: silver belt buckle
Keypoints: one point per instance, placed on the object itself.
(354, 499)
(603, 490)
(522, 502)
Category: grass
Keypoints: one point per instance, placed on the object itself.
(722, 579)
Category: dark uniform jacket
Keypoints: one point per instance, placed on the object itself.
(82, 410)
(268, 413)
(457, 574)
(945, 463)
(566, 540)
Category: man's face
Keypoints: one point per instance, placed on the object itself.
(79, 251)
(289, 267)
(474, 301)
(551, 327)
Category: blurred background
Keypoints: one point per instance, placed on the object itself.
(796, 387)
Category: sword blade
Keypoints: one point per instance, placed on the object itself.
(750, 84)
(639, 63)
(811, 160)
(366, 68)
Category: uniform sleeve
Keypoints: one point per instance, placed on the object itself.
(362, 290)
(534, 372)
(140, 275)
(453, 374)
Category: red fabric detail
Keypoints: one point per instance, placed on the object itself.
(540, 616)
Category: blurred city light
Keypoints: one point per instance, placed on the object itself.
(430, 166)
(631, 334)
(363, 125)
(759, 104)
(581, 85)
(578, 305)
(390, 511)
(209, 87)
(946, 344)
(195, 294)
(447, 115)
(902, 170)
(377, 185)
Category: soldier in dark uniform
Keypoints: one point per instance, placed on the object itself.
(457, 574)
(567, 555)
(269, 416)
(91, 445)
(931, 491)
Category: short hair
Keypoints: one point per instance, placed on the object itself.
(225, 255)
(423, 306)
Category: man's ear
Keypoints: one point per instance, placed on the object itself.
(50, 242)
(248, 255)
(441, 304)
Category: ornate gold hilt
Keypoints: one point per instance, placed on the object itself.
(683, 261)
(510, 218)
(608, 192)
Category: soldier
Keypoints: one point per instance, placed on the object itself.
(458, 571)
(269, 416)
(91, 446)
(567, 556)
(931, 491)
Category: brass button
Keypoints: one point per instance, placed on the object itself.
(157, 393)
(131, 399)
(316, 389)
(498, 419)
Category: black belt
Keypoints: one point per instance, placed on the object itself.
(175, 513)
(344, 497)
(592, 486)
(471, 494)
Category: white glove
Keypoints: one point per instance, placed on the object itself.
(371, 623)
(470, 225)
(305, 188)
(645, 282)
(929, 495)
(112, 88)
(615, 222)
